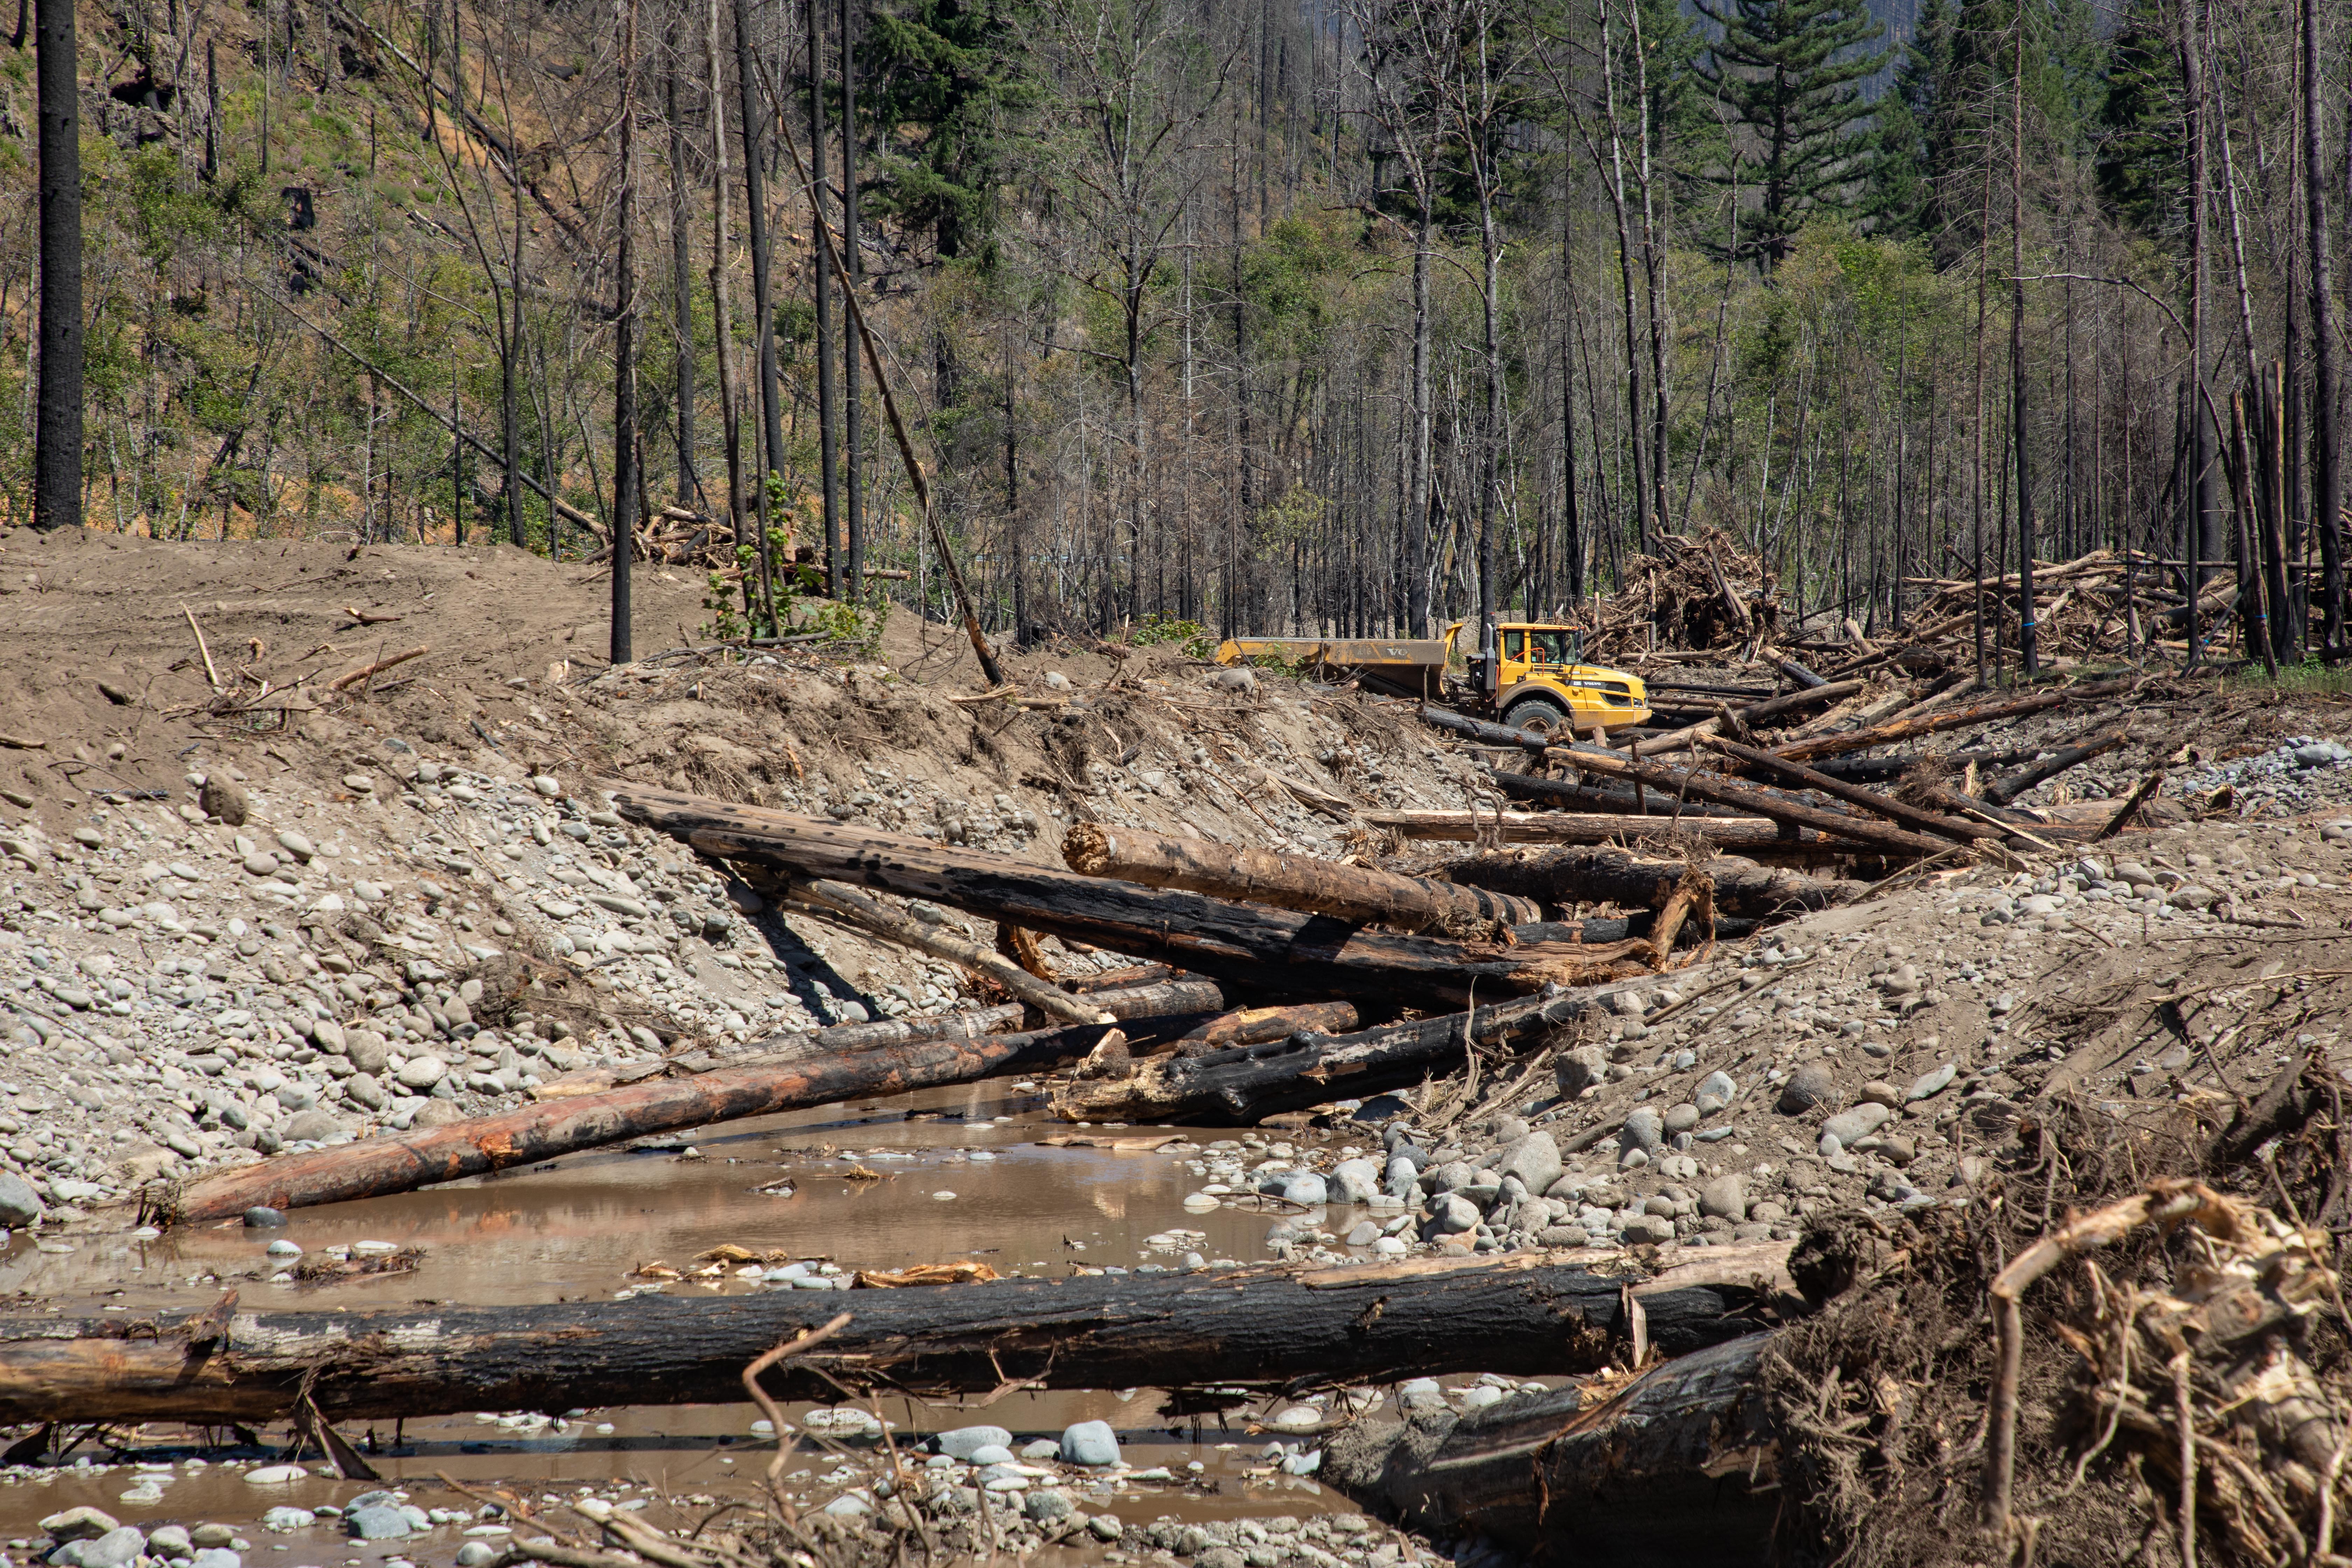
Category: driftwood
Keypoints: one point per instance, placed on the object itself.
(1748, 833)
(1533, 1312)
(1894, 810)
(1250, 1026)
(1762, 802)
(1606, 795)
(402, 1163)
(1680, 1466)
(2005, 789)
(847, 905)
(1956, 719)
(1603, 874)
(1754, 714)
(1279, 953)
(1882, 770)
(1353, 893)
(1251, 1081)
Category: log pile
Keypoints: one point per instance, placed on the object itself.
(1699, 592)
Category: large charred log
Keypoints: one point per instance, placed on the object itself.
(1680, 1467)
(1534, 1313)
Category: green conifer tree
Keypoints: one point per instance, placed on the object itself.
(1789, 75)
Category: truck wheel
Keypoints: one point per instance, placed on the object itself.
(1539, 714)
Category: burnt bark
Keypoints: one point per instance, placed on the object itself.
(57, 439)
(1680, 1467)
(1855, 830)
(1253, 1081)
(1899, 812)
(1534, 1313)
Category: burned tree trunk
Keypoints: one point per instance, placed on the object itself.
(1680, 1467)
(1602, 796)
(1535, 1313)
(1251, 1081)
(1887, 807)
(1789, 813)
(1354, 893)
(1935, 724)
(375, 1166)
(1598, 873)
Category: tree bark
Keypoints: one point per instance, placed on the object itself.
(1250, 1026)
(853, 435)
(763, 302)
(2327, 481)
(1354, 893)
(1277, 953)
(375, 1166)
(1241, 1085)
(625, 355)
(1756, 836)
(1535, 1313)
(57, 442)
(828, 456)
(1604, 797)
(1682, 1466)
(1602, 874)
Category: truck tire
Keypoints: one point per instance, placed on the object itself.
(1539, 714)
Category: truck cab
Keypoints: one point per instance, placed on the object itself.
(1538, 681)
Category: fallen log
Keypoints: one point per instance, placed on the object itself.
(1251, 1081)
(1279, 954)
(1534, 1312)
(1250, 1025)
(1147, 1009)
(1896, 810)
(1747, 832)
(1754, 714)
(1681, 1466)
(1355, 893)
(401, 1162)
(1605, 873)
(848, 905)
(1762, 802)
(1957, 719)
(1881, 770)
(1604, 795)
(2005, 789)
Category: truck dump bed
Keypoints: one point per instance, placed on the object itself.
(1400, 666)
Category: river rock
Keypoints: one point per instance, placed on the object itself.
(19, 1203)
(1726, 1197)
(1089, 1443)
(1849, 1126)
(1931, 1083)
(211, 1534)
(1809, 1087)
(1452, 1214)
(261, 1217)
(1047, 1507)
(1534, 1159)
(423, 1072)
(1716, 1092)
(216, 1557)
(169, 1540)
(79, 1524)
(1681, 1118)
(1355, 1181)
(377, 1521)
(297, 843)
(1643, 1131)
(477, 1554)
(118, 1548)
(1878, 1091)
(962, 1441)
(310, 1126)
(1580, 1070)
(1306, 1189)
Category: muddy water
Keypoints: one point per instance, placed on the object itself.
(962, 1175)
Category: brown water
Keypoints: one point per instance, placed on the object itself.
(576, 1229)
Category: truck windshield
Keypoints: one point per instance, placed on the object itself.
(1547, 647)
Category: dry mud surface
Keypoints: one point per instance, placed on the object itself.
(427, 911)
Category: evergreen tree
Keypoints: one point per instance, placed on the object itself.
(2142, 157)
(948, 71)
(1903, 202)
(1787, 74)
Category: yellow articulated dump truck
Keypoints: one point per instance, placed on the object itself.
(1537, 683)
